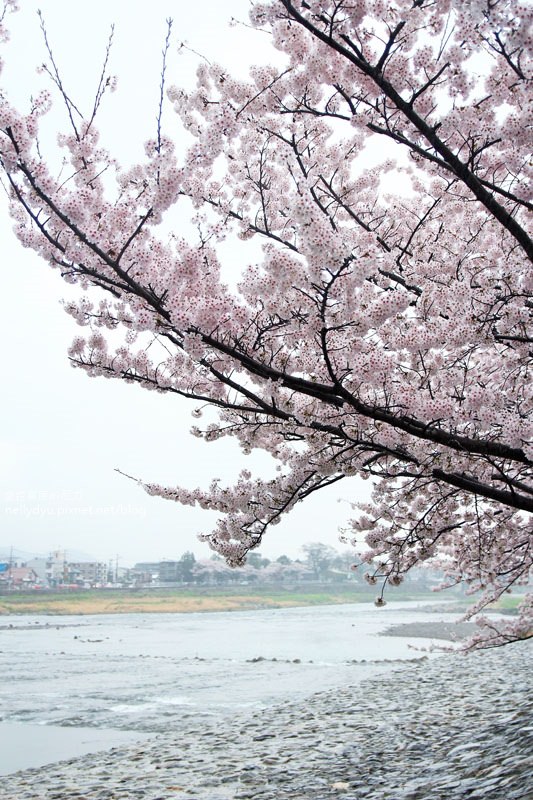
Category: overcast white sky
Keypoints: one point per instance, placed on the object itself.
(62, 434)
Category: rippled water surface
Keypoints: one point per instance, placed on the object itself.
(145, 671)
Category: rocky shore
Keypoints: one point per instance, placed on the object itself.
(447, 728)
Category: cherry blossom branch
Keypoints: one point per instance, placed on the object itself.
(455, 165)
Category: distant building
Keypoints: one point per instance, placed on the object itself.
(169, 571)
(52, 571)
(19, 578)
(56, 568)
(87, 572)
(144, 572)
(41, 567)
(147, 566)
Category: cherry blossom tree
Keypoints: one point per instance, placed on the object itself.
(384, 329)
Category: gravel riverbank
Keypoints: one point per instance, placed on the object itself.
(448, 728)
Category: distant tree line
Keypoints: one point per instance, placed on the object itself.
(319, 563)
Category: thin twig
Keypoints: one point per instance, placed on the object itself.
(104, 82)
(54, 74)
(162, 84)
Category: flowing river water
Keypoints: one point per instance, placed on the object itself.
(72, 684)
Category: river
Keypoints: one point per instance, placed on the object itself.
(75, 684)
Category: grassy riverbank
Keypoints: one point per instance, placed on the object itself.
(197, 598)
(238, 598)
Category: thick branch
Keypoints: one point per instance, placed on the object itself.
(473, 486)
